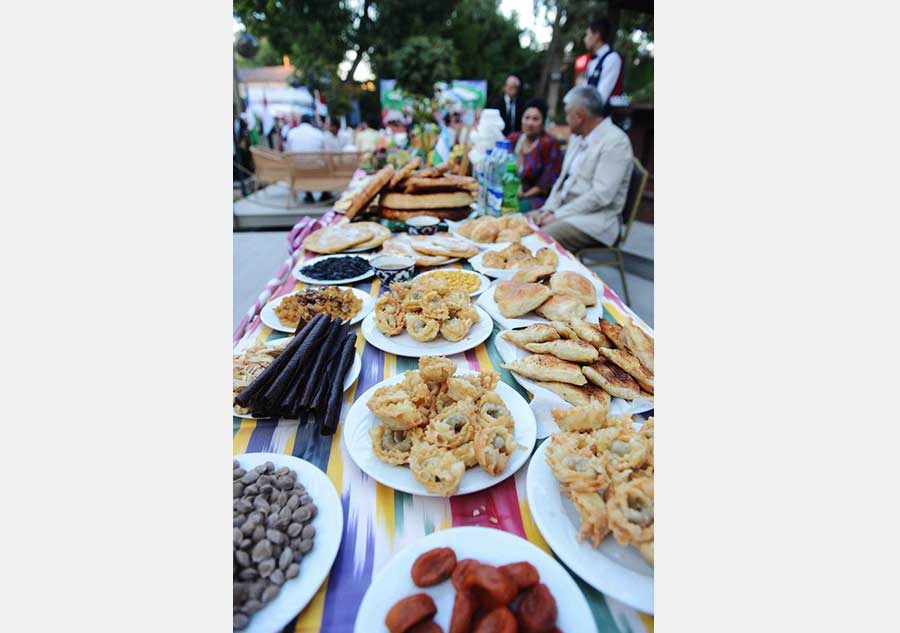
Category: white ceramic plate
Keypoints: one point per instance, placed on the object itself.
(296, 593)
(405, 345)
(486, 301)
(487, 545)
(484, 282)
(615, 570)
(545, 400)
(533, 243)
(359, 444)
(331, 282)
(349, 379)
(268, 316)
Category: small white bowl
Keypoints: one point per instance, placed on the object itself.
(391, 268)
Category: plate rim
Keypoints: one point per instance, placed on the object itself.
(369, 323)
(336, 509)
(612, 588)
(438, 538)
(363, 398)
(368, 306)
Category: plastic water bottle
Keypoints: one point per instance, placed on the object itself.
(499, 158)
(511, 185)
(482, 175)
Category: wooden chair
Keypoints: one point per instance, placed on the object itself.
(271, 167)
(629, 211)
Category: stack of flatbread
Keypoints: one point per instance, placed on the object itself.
(356, 236)
(586, 363)
(433, 191)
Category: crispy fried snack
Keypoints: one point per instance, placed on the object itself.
(466, 453)
(573, 463)
(594, 515)
(433, 306)
(404, 172)
(492, 410)
(395, 408)
(638, 343)
(630, 363)
(452, 427)
(463, 388)
(630, 509)
(584, 418)
(455, 329)
(436, 369)
(546, 256)
(389, 316)
(494, 444)
(573, 350)
(535, 333)
(393, 447)
(469, 312)
(590, 332)
(420, 328)
(437, 469)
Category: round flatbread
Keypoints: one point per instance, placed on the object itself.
(446, 245)
(334, 239)
(379, 234)
(400, 245)
(415, 202)
(362, 199)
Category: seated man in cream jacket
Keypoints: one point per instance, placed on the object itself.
(586, 202)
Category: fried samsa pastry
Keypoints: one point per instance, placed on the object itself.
(436, 369)
(561, 308)
(533, 274)
(630, 363)
(453, 427)
(536, 333)
(494, 445)
(565, 330)
(546, 367)
(509, 235)
(583, 418)
(576, 351)
(492, 410)
(590, 332)
(630, 510)
(515, 299)
(594, 517)
(614, 332)
(390, 446)
(484, 233)
(612, 379)
(437, 469)
(577, 395)
(638, 343)
(421, 328)
(575, 285)
(494, 259)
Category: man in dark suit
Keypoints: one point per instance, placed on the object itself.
(510, 105)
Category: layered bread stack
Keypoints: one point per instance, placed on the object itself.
(432, 191)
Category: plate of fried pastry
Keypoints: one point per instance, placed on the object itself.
(590, 491)
(440, 430)
(488, 230)
(426, 316)
(507, 262)
(577, 362)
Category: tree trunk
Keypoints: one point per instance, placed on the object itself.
(551, 61)
(361, 36)
(352, 71)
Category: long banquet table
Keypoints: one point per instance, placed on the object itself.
(380, 521)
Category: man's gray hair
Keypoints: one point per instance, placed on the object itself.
(585, 97)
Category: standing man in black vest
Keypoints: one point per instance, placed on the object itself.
(510, 105)
(604, 70)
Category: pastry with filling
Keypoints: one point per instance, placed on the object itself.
(536, 333)
(575, 285)
(614, 380)
(630, 363)
(547, 368)
(390, 446)
(437, 469)
(533, 274)
(577, 395)
(515, 298)
(583, 418)
(575, 351)
(562, 308)
(494, 444)
(590, 332)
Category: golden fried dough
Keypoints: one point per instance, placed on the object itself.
(575, 285)
(533, 274)
(638, 343)
(582, 418)
(590, 332)
(546, 367)
(576, 351)
(562, 308)
(535, 333)
(546, 256)
(577, 395)
(362, 199)
(515, 298)
(613, 379)
(630, 363)
(404, 172)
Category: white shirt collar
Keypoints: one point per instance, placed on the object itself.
(601, 50)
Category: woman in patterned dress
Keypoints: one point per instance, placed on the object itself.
(539, 156)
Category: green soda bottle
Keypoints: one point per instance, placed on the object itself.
(511, 186)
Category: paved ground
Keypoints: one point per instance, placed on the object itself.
(257, 255)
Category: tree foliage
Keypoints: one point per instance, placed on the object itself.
(421, 62)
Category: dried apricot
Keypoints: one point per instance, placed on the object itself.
(428, 626)
(499, 620)
(433, 566)
(492, 586)
(461, 568)
(464, 605)
(523, 574)
(409, 611)
(536, 612)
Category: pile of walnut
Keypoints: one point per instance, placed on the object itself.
(505, 599)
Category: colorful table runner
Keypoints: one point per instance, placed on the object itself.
(380, 521)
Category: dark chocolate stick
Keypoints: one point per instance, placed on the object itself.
(321, 397)
(265, 378)
(317, 367)
(329, 422)
(271, 397)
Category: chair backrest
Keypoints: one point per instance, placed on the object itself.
(633, 198)
(270, 165)
(322, 171)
